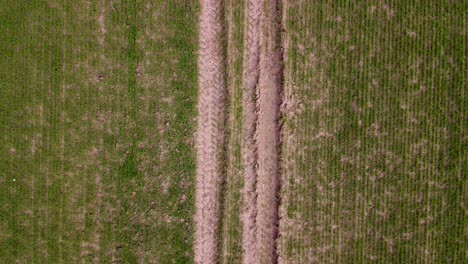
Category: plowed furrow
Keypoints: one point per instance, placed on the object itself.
(209, 139)
(253, 10)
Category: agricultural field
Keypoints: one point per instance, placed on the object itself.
(375, 142)
(98, 106)
(233, 131)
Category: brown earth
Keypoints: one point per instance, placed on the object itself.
(210, 139)
(253, 10)
(262, 81)
(267, 134)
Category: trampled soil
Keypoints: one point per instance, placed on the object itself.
(253, 10)
(210, 140)
(262, 80)
(267, 134)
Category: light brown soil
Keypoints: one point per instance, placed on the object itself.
(267, 137)
(262, 80)
(102, 27)
(253, 9)
(210, 139)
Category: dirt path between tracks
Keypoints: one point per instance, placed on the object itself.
(210, 135)
(262, 84)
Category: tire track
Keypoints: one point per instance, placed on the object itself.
(262, 82)
(267, 134)
(262, 100)
(210, 135)
(253, 10)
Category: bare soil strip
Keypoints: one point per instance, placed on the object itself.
(253, 10)
(267, 134)
(210, 135)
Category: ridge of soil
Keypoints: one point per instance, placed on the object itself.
(267, 134)
(253, 10)
(210, 135)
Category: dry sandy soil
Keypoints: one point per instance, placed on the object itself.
(267, 134)
(253, 11)
(262, 79)
(210, 132)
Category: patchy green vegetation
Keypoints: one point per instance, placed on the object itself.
(231, 231)
(374, 139)
(97, 119)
